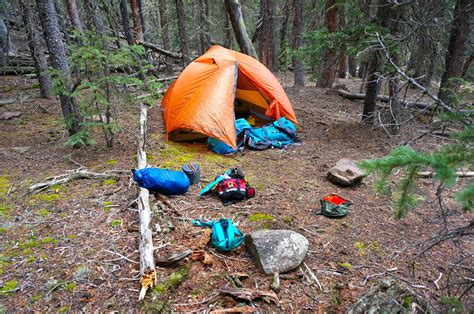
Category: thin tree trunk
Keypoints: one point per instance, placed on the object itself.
(342, 66)
(165, 34)
(96, 15)
(283, 59)
(298, 69)
(74, 15)
(4, 40)
(141, 13)
(57, 54)
(36, 48)
(351, 65)
(327, 69)
(182, 31)
(240, 31)
(137, 25)
(457, 49)
(127, 30)
(266, 51)
(369, 111)
(228, 31)
(204, 39)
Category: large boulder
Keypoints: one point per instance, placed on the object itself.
(276, 250)
(345, 173)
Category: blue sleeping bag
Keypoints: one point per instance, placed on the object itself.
(221, 148)
(163, 181)
(277, 134)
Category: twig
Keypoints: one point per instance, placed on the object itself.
(313, 276)
(122, 256)
(437, 280)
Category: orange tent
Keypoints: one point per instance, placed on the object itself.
(201, 100)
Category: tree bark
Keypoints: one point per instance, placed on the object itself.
(36, 48)
(228, 30)
(351, 66)
(96, 15)
(74, 15)
(240, 31)
(127, 30)
(327, 69)
(4, 46)
(204, 38)
(266, 51)
(457, 49)
(137, 25)
(342, 66)
(57, 54)
(182, 31)
(298, 69)
(165, 34)
(370, 102)
(142, 19)
(283, 34)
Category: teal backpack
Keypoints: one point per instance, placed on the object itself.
(225, 236)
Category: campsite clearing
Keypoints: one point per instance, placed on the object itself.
(75, 246)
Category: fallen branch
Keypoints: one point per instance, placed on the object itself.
(147, 262)
(157, 49)
(16, 70)
(68, 177)
(173, 258)
(384, 99)
(4, 102)
(312, 277)
(249, 294)
(460, 174)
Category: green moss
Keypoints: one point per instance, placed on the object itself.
(43, 212)
(45, 197)
(36, 297)
(288, 220)
(336, 296)
(375, 246)
(160, 288)
(174, 280)
(48, 240)
(116, 223)
(108, 181)
(4, 186)
(3, 230)
(359, 245)
(111, 162)
(454, 304)
(107, 206)
(8, 287)
(71, 236)
(177, 154)
(70, 286)
(407, 301)
(31, 259)
(64, 309)
(5, 210)
(346, 265)
(261, 217)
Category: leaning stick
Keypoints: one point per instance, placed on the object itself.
(147, 263)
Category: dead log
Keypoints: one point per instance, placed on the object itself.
(16, 70)
(384, 99)
(9, 101)
(147, 262)
(78, 174)
(250, 295)
(460, 174)
(173, 258)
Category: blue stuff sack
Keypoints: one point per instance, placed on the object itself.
(163, 181)
(221, 148)
(225, 236)
(277, 134)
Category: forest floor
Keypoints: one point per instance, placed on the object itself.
(75, 246)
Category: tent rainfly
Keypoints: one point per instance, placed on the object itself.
(200, 102)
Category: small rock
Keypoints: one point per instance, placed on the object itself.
(10, 115)
(276, 250)
(81, 274)
(345, 173)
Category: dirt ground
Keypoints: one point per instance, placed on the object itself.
(75, 246)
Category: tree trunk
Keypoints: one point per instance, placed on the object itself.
(240, 31)
(342, 66)
(266, 51)
(165, 34)
(370, 108)
(457, 49)
(467, 64)
(228, 30)
(4, 47)
(204, 39)
(283, 31)
(74, 15)
(142, 20)
(298, 69)
(57, 54)
(96, 15)
(36, 48)
(327, 69)
(351, 65)
(182, 31)
(137, 25)
(127, 30)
